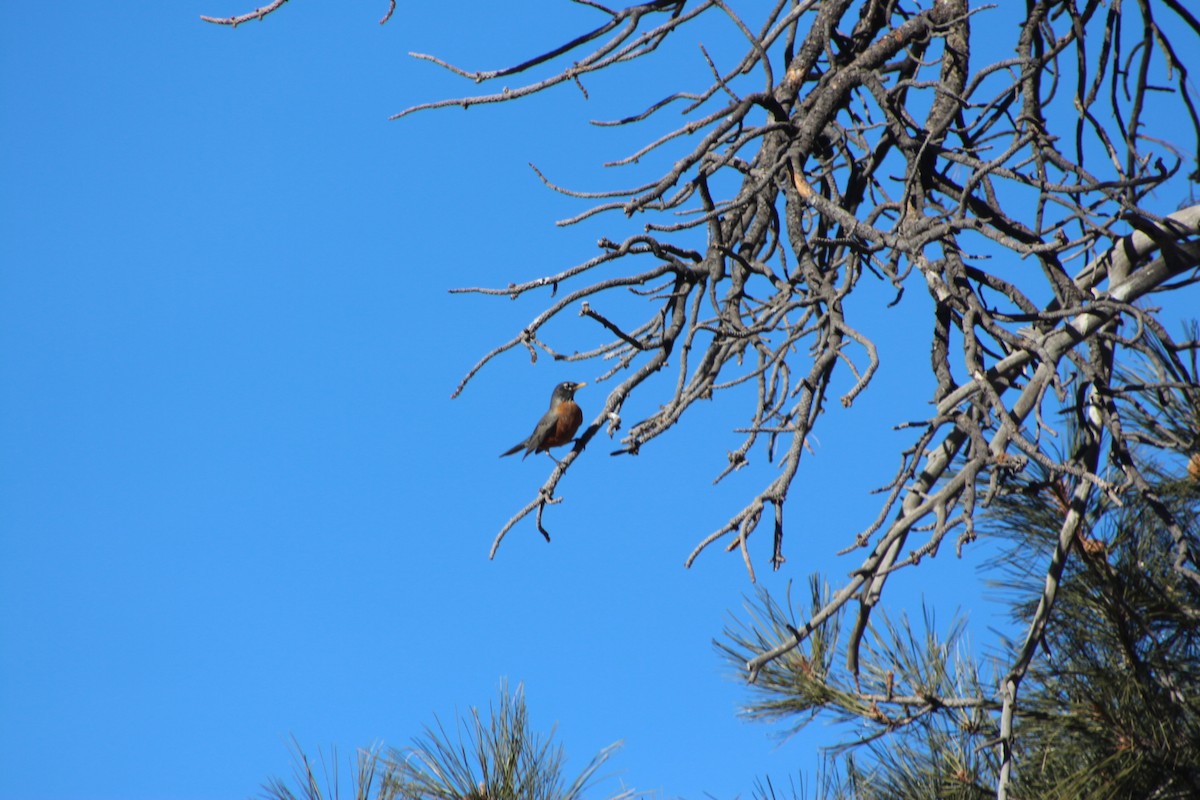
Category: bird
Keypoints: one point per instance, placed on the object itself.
(557, 426)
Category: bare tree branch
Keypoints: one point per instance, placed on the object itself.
(1018, 186)
(256, 14)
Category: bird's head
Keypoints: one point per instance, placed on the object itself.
(566, 391)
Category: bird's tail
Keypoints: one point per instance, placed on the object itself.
(515, 449)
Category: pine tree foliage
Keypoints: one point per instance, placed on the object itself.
(492, 757)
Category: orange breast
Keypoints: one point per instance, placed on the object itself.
(569, 420)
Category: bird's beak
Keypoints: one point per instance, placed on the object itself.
(580, 385)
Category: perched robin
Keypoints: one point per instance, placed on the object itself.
(557, 426)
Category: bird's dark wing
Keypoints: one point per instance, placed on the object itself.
(543, 430)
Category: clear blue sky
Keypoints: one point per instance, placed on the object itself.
(236, 501)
